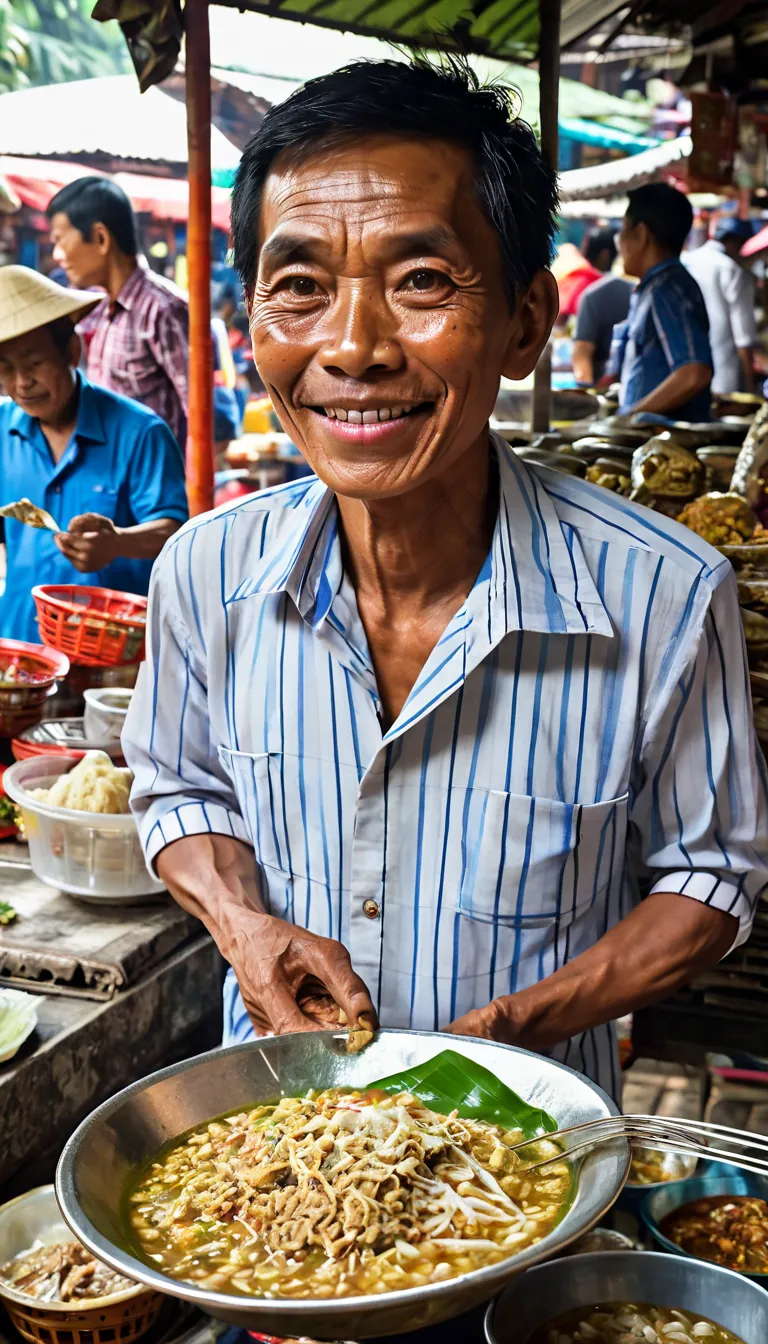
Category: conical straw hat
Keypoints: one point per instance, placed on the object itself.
(29, 300)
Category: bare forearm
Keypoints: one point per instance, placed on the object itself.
(584, 362)
(678, 388)
(145, 541)
(666, 941)
(661, 944)
(747, 357)
(214, 878)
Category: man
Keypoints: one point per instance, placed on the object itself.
(729, 295)
(662, 352)
(414, 738)
(602, 306)
(137, 339)
(105, 468)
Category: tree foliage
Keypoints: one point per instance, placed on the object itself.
(52, 41)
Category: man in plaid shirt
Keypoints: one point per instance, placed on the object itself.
(137, 339)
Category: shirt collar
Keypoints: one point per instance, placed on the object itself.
(658, 270)
(89, 424)
(535, 578)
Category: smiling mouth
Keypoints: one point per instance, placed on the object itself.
(371, 424)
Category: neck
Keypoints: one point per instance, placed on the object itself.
(119, 269)
(655, 257)
(428, 543)
(58, 429)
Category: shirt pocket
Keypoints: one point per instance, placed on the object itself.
(250, 776)
(537, 861)
(104, 501)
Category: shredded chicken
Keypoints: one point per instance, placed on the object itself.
(64, 1272)
(325, 1188)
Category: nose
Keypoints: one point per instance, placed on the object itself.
(360, 339)
(59, 255)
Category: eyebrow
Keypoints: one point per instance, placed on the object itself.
(290, 248)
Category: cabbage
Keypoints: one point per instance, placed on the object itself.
(18, 1019)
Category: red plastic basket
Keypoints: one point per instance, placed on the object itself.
(94, 626)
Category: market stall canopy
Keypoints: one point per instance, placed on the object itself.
(35, 181)
(269, 58)
(102, 120)
(622, 175)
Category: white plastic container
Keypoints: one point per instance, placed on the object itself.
(93, 855)
(105, 711)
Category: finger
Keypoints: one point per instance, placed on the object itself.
(350, 992)
(284, 1013)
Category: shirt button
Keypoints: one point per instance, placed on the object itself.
(371, 909)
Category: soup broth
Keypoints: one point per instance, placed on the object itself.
(629, 1323)
(341, 1194)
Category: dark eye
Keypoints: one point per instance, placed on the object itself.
(302, 286)
(424, 280)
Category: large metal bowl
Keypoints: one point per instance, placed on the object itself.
(103, 1153)
(628, 1276)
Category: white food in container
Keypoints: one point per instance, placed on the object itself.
(18, 1019)
(96, 856)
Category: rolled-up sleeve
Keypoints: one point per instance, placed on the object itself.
(700, 813)
(180, 787)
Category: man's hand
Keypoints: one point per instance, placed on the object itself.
(91, 542)
(290, 979)
(293, 980)
(495, 1022)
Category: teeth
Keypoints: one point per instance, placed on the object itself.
(366, 417)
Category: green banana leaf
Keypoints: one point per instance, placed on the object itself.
(450, 1082)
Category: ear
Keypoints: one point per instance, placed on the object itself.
(535, 317)
(101, 236)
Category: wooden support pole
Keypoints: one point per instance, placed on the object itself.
(549, 94)
(200, 433)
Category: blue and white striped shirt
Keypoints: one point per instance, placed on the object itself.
(580, 735)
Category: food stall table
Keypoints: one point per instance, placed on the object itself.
(156, 999)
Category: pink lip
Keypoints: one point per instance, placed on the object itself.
(370, 433)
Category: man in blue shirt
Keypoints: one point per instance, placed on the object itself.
(108, 471)
(662, 351)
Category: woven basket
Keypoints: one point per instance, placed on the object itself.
(102, 1322)
(93, 626)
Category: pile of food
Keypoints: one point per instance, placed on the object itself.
(628, 1323)
(95, 784)
(63, 1272)
(340, 1194)
(731, 1230)
(721, 519)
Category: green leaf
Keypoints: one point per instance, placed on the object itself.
(7, 912)
(450, 1081)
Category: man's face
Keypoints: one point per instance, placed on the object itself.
(632, 242)
(36, 375)
(84, 262)
(379, 318)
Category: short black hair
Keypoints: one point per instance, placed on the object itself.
(666, 213)
(598, 241)
(516, 187)
(96, 200)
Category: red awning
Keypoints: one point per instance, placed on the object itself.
(36, 181)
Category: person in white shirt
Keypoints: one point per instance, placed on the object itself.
(729, 294)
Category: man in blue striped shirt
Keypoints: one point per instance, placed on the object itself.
(434, 736)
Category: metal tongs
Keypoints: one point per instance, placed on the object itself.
(692, 1138)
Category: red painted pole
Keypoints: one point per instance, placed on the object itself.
(200, 431)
